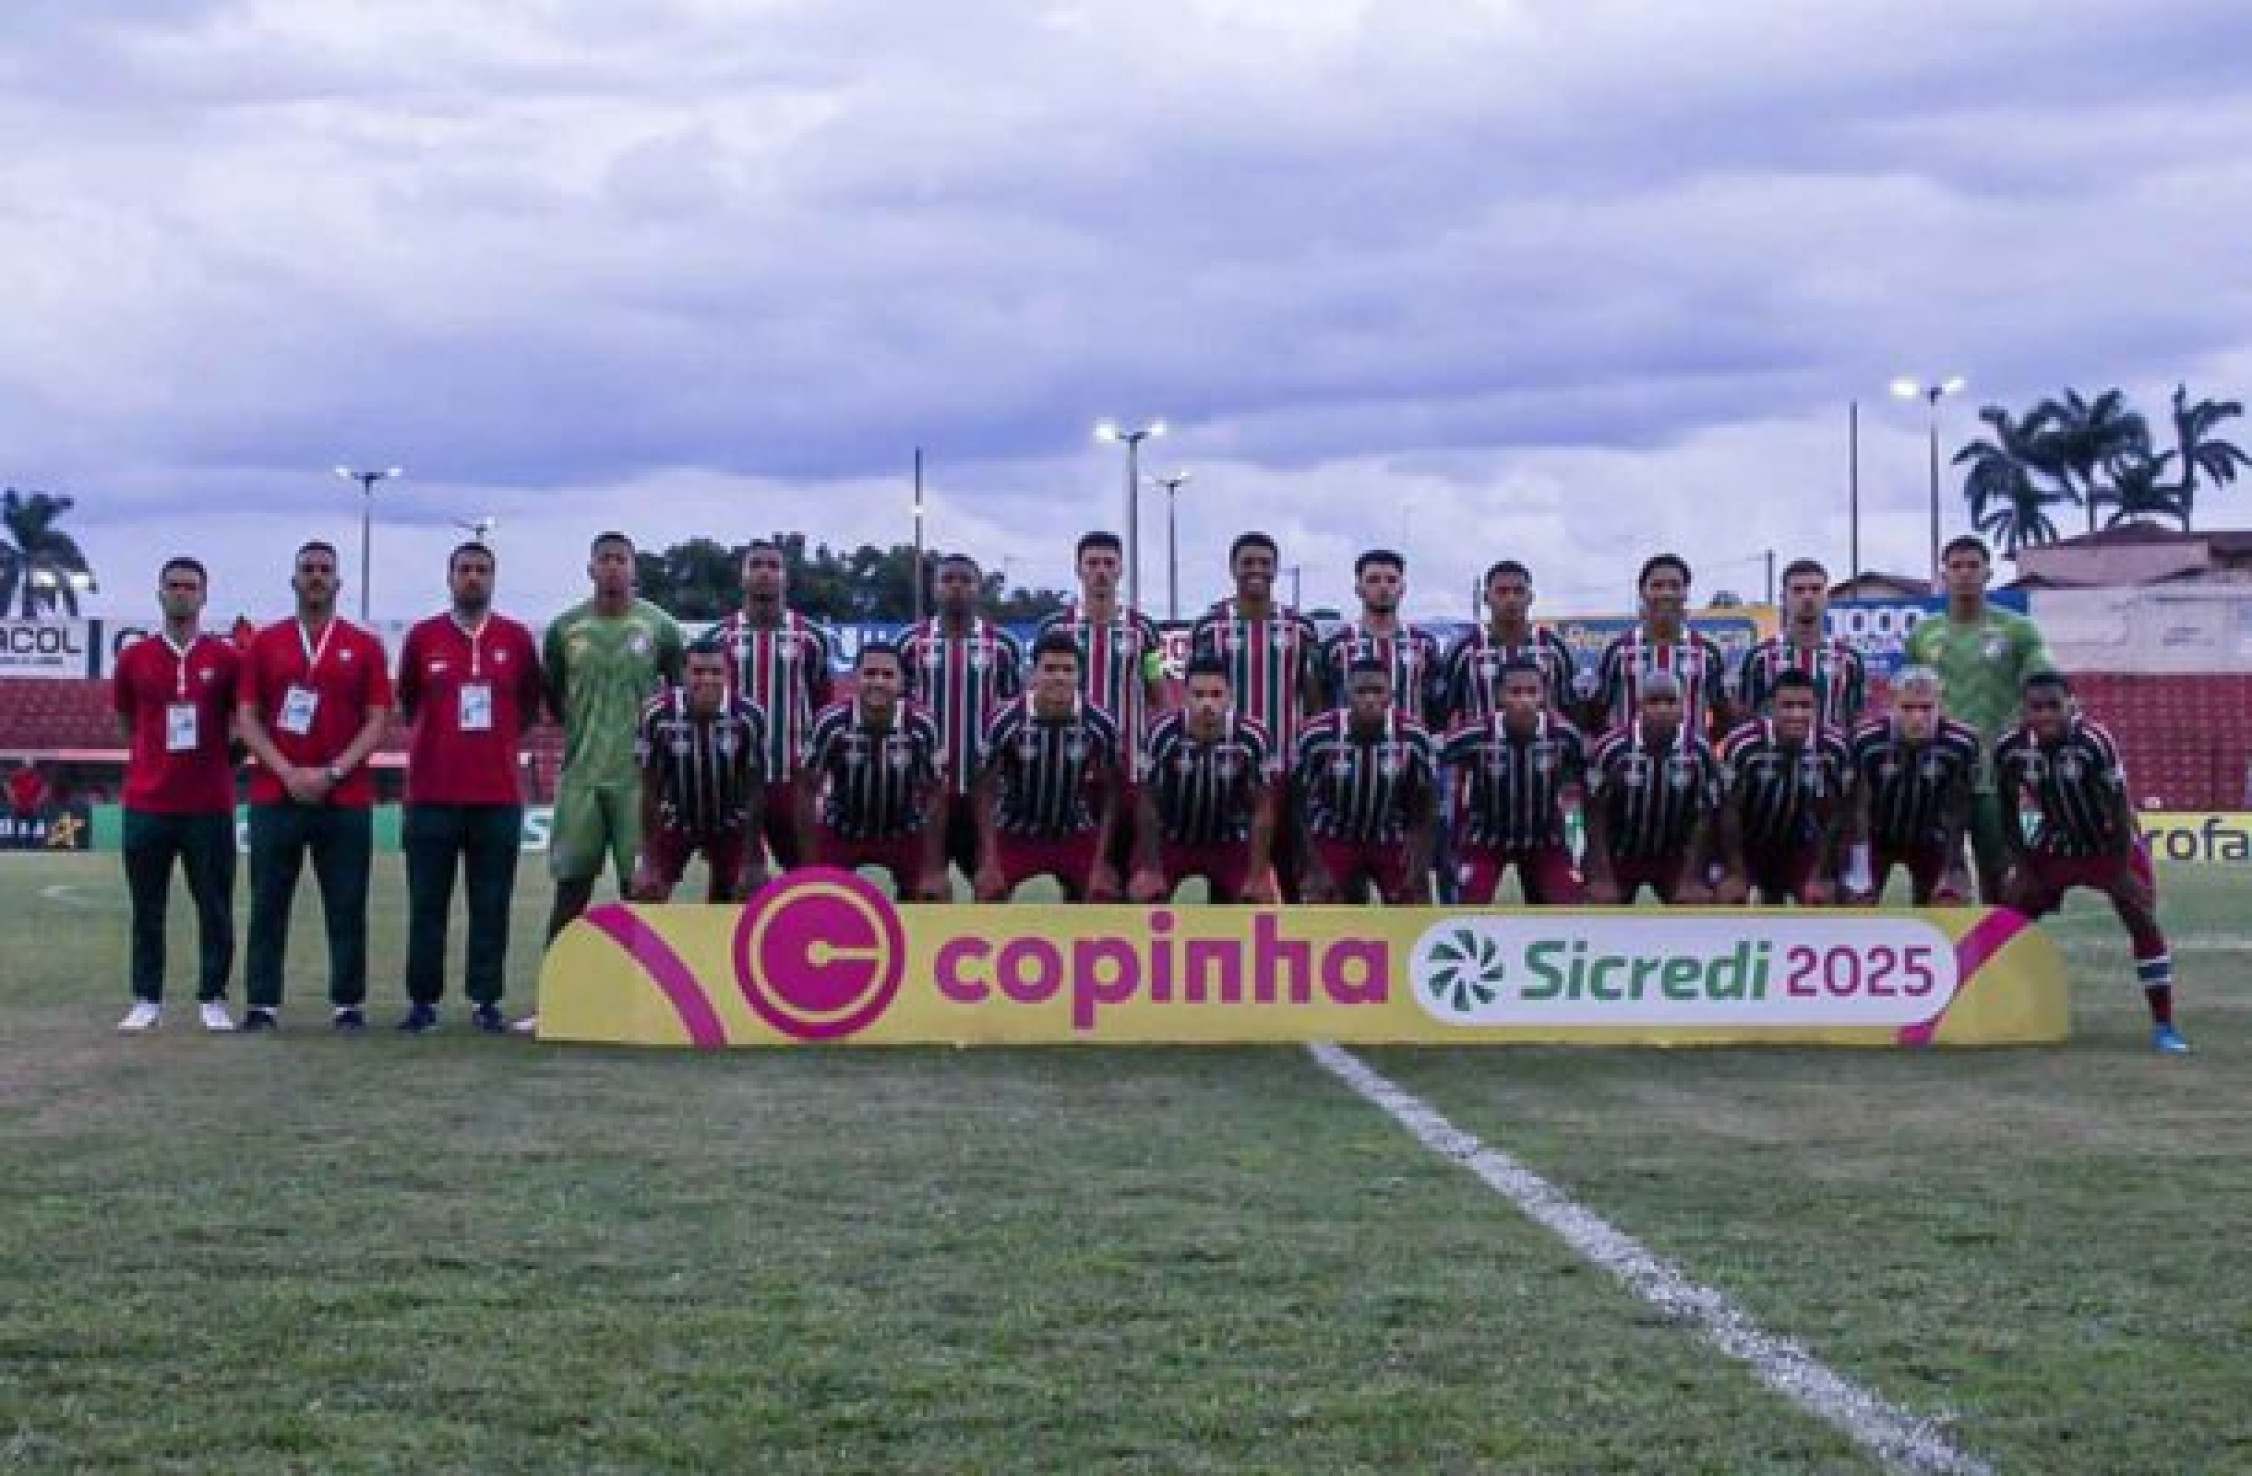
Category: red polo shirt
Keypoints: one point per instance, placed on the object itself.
(446, 763)
(349, 677)
(151, 680)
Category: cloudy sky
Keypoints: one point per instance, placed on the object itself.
(1563, 279)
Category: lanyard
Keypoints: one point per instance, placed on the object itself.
(476, 643)
(313, 653)
(180, 655)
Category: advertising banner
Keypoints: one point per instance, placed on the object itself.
(69, 828)
(51, 650)
(823, 957)
(2214, 838)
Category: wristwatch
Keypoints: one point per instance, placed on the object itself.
(335, 774)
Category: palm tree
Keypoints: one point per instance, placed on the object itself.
(2013, 480)
(2201, 451)
(2136, 493)
(36, 559)
(2082, 437)
(2018, 517)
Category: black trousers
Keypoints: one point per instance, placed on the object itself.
(204, 845)
(340, 841)
(483, 843)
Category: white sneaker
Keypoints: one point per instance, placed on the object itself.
(529, 1025)
(215, 1016)
(142, 1018)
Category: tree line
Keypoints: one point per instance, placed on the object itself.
(702, 579)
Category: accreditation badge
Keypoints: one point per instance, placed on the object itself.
(476, 707)
(299, 705)
(180, 728)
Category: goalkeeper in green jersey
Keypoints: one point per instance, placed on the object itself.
(1983, 656)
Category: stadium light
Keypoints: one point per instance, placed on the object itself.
(1109, 430)
(367, 481)
(1172, 486)
(1931, 394)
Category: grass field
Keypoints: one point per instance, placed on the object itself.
(461, 1253)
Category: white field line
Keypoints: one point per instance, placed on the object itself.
(1902, 1441)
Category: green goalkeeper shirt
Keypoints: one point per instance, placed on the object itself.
(602, 668)
(1984, 664)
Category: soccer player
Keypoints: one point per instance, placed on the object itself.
(874, 788)
(2070, 768)
(1047, 799)
(602, 661)
(1913, 775)
(961, 669)
(1471, 683)
(312, 705)
(1273, 657)
(1511, 767)
(174, 695)
(1983, 656)
(469, 681)
(1663, 642)
(1785, 781)
(1365, 785)
(1380, 580)
(1841, 681)
(1121, 669)
(703, 753)
(1207, 802)
(782, 668)
(1653, 803)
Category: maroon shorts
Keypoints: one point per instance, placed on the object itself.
(1545, 872)
(1782, 874)
(2052, 876)
(1381, 863)
(901, 856)
(1224, 865)
(778, 822)
(1927, 867)
(1069, 859)
(665, 854)
(1663, 875)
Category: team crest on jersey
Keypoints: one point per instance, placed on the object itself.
(1228, 765)
(1489, 666)
(1028, 746)
(1889, 769)
(1635, 772)
(1544, 758)
(855, 750)
(1075, 747)
(2071, 768)
(1810, 774)
(638, 643)
(1681, 771)
(724, 741)
(981, 656)
(1994, 647)
(2036, 768)
(1934, 768)
(899, 752)
(1387, 759)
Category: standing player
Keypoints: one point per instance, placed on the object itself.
(1663, 642)
(961, 669)
(1512, 766)
(1121, 669)
(1841, 682)
(703, 754)
(312, 706)
(1914, 772)
(1047, 800)
(1379, 634)
(782, 665)
(1653, 803)
(873, 791)
(1207, 806)
(1471, 683)
(1983, 656)
(2070, 768)
(1272, 654)
(1784, 804)
(1365, 786)
(602, 661)
(469, 680)
(174, 694)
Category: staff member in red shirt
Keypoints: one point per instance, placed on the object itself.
(313, 702)
(174, 694)
(468, 681)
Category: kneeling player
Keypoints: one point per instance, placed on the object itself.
(1365, 788)
(873, 789)
(2087, 837)
(1653, 801)
(1784, 801)
(1047, 801)
(1513, 765)
(1914, 773)
(703, 772)
(1207, 808)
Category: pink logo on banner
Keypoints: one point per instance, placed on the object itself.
(820, 954)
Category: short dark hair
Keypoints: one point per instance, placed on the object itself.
(1099, 538)
(1055, 643)
(958, 558)
(763, 545)
(2045, 679)
(317, 545)
(472, 546)
(1791, 679)
(1204, 663)
(1522, 666)
(1797, 567)
(707, 644)
(1655, 562)
(613, 536)
(182, 561)
(1378, 556)
(875, 648)
(1253, 539)
(1368, 663)
(1970, 541)
(1506, 566)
